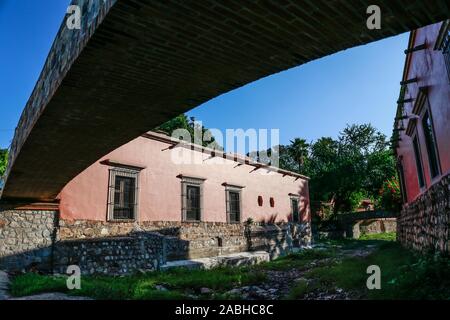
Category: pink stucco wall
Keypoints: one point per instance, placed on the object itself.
(85, 197)
(429, 67)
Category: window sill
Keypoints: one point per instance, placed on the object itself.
(121, 220)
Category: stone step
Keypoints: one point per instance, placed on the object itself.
(231, 260)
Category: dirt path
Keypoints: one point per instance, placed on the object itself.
(279, 283)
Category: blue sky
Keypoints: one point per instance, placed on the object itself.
(318, 99)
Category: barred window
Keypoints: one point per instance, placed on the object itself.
(123, 194)
(295, 209)
(418, 157)
(446, 51)
(430, 142)
(233, 204)
(401, 174)
(191, 198)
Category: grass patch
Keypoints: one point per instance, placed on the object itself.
(181, 284)
(404, 275)
(31, 283)
(386, 236)
(298, 260)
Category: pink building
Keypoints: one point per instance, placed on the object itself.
(154, 178)
(156, 200)
(422, 139)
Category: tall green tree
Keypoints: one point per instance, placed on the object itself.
(3, 161)
(298, 150)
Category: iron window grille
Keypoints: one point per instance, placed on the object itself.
(401, 174)
(191, 198)
(430, 143)
(418, 158)
(233, 196)
(446, 51)
(123, 191)
(295, 211)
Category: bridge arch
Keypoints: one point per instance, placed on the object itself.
(135, 64)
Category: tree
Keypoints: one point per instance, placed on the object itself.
(3, 163)
(298, 150)
(182, 122)
(342, 171)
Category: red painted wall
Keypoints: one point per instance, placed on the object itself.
(429, 67)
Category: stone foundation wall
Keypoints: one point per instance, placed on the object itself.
(189, 240)
(38, 239)
(424, 224)
(26, 238)
(119, 255)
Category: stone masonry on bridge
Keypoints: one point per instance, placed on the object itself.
(144, 62)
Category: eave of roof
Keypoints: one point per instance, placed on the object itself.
(217, 153)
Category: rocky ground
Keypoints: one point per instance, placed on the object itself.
(280, 282)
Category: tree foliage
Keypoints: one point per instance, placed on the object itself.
(189, 124)
(3, 161)
(343, 171)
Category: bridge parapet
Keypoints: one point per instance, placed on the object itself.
(65, 49)
(365, 215)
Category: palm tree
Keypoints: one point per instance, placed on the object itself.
(299, 152)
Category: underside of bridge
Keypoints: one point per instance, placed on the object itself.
(136, 64)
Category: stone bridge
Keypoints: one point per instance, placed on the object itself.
(353, 224)
(135, 64)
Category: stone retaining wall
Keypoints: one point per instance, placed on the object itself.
(424, 224)
(38, 239)
(26, 238)
(189, 240)
(119, 255)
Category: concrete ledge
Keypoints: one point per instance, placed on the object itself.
(234, 260)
